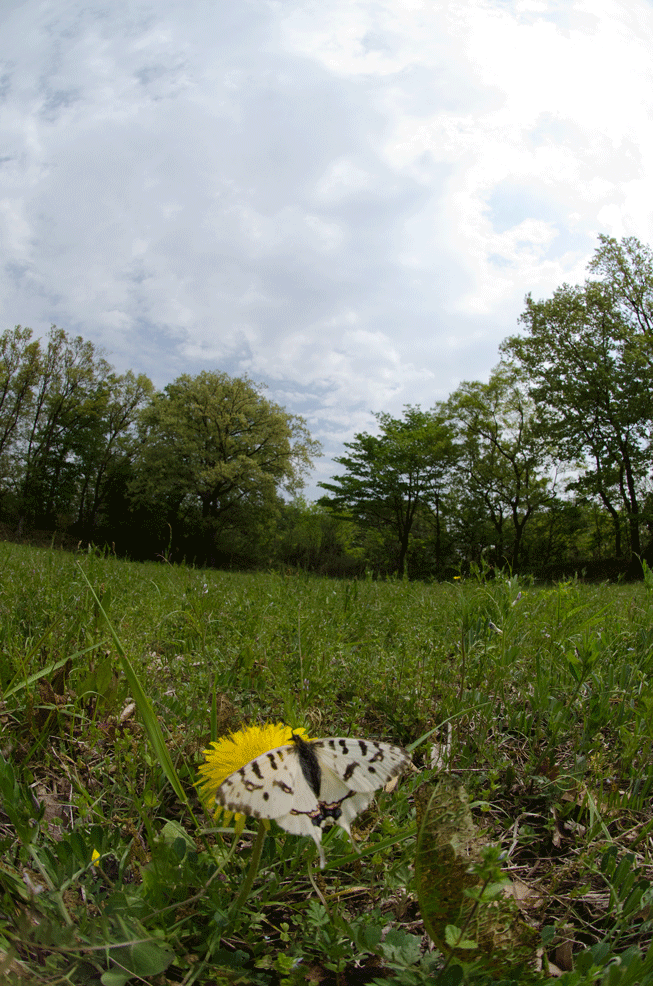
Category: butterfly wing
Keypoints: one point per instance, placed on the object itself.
(306, 817)
(273, 786)
(268, 787)
(351, 771)
(277, 784)
(362, 765)
(339, 802)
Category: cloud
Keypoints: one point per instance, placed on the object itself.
(345, 199)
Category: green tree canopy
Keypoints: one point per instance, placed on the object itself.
(626, 267)
(504, 471)
(588, 353)
(389, 477)
(66, 421)
(107, 444)
(212, 442)
(20, 367)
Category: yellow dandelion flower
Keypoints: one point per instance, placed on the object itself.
(234, 751)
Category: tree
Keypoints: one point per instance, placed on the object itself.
(587, 354)
(108, 443)
(20, 367)
(389, 477)
(212, 444)
(504, 461)
(627, 269)
(44, 458)
(66, 421)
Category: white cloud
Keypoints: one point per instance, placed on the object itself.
(342, 180)
(347, 199)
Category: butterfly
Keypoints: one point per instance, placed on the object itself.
(308, 785)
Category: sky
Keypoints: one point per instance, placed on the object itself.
(345, 200)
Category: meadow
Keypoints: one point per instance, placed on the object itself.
(518, 847)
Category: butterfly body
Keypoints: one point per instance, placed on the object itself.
(307, 785)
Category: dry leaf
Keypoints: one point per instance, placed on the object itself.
(523, 894)
(564, 956)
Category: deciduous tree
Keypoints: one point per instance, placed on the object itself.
(45, 460)
(107, 444)
(505, 462)
(20, 368)
(389, 477)
(587, 353)
(212, 443)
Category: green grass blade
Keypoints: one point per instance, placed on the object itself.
(144, 707)
(13, 689)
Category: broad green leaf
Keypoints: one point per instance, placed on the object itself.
(455, 938)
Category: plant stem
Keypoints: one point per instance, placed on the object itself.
(251, 873)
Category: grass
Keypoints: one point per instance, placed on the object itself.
(523, 837)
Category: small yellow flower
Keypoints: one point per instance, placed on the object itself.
(95, 858)
(234, 751)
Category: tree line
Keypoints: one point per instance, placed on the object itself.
(202, 465)
(545, 467)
